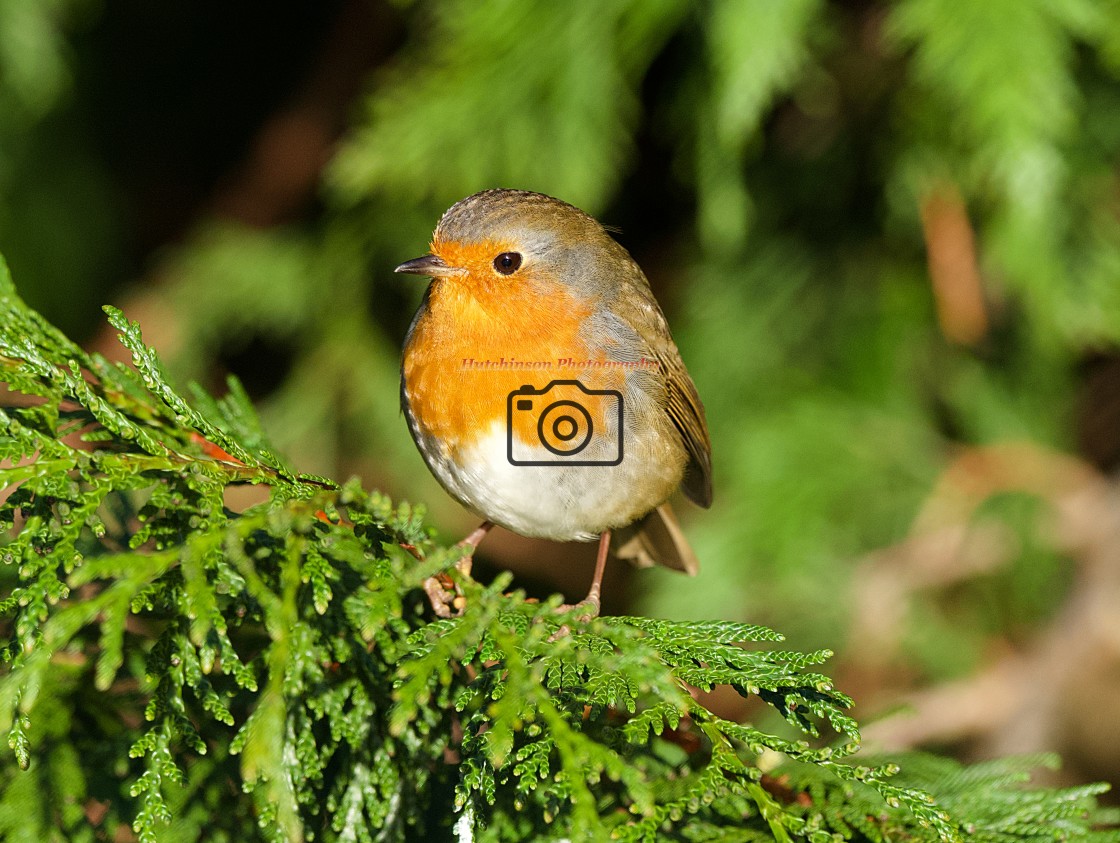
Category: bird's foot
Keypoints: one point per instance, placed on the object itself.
(590, 610)
(443, 592)
(444, 596)
(589, 606)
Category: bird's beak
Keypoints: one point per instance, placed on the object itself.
(432, 265)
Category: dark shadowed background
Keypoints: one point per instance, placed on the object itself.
(887, 237)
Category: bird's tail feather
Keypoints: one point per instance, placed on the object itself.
(657, 539)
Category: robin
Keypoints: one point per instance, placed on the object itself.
(543, 388)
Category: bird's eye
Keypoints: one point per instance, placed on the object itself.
(507, 263)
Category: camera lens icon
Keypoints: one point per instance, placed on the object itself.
(560, 425)
(565, 423)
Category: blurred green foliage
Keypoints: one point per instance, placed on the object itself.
(770, 165)
(50, 174)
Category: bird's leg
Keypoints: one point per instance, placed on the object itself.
(596, 590)
(473, 540)
(591, 602)
(442, 591)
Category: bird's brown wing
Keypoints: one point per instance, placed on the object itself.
(687, 413)
(682, 402)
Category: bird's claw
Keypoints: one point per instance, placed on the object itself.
(589, 604)
(444, 596)
(590, 611)
(443, 592)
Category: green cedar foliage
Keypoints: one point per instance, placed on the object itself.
(185, 669)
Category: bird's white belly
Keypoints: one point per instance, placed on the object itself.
(558, 501)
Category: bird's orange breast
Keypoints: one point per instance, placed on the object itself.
(472, 346)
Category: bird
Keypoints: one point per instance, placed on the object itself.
(544, 391)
